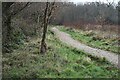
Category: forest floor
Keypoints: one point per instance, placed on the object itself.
(60, 61)
(66, 38)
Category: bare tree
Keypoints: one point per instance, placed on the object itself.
(8, 13)
(47, 15)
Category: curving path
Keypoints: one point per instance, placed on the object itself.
(66, 38)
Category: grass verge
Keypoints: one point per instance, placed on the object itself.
(91, 39)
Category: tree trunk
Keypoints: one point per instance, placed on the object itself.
(6, 36)
(43, 44)
(47, 15)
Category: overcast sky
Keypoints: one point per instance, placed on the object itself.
(76, 1)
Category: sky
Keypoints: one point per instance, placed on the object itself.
(105, 1)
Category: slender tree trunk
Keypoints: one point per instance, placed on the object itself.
(38, 19)
(43, 44)
(47, 15)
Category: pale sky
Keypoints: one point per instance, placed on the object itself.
(105, 1)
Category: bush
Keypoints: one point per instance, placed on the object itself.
(17, 39)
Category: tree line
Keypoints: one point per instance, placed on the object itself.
(88, 13)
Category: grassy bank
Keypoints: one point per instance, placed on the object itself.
(93, 40)
(60, 61)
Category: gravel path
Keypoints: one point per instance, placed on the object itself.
(66, 38)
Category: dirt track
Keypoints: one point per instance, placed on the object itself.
(66, 38)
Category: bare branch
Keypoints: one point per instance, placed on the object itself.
(18, 11)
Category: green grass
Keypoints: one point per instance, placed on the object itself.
(93, 40)
(60, 61)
